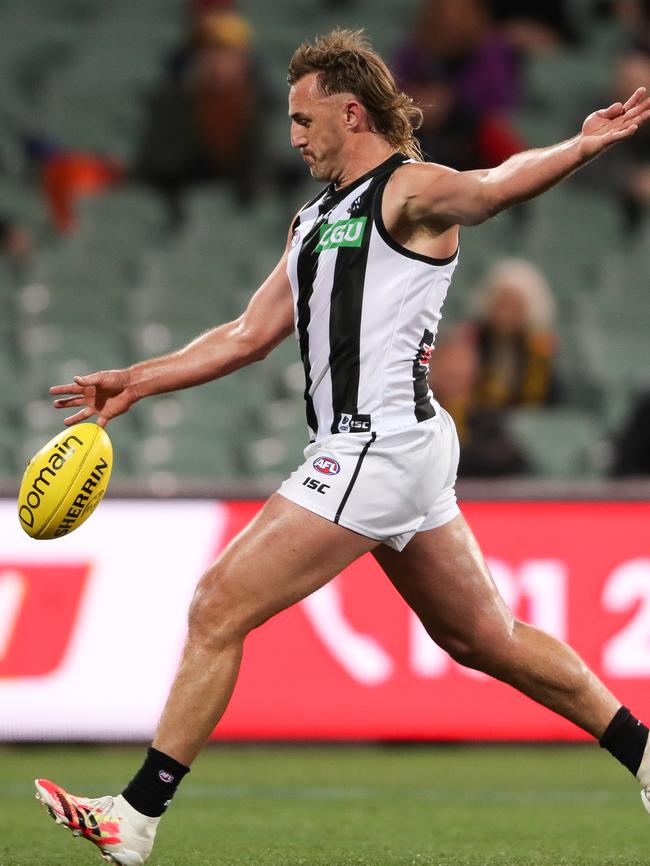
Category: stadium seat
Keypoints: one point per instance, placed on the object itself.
(558, 442)
(125, 287)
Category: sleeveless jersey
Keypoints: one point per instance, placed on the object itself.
(366, 311)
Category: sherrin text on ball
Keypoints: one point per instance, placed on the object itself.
(65, 481)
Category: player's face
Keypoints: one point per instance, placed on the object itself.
(317, 128)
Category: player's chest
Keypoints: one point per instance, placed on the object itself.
(321, 235)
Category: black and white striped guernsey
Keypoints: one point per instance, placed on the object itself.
(366, 312)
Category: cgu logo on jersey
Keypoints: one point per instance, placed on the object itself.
(326, 465)
(344, 233)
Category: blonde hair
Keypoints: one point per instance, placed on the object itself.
(528, 280)
(346, 63)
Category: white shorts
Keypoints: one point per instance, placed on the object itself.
(386, 486)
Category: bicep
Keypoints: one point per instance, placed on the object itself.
(444, 197)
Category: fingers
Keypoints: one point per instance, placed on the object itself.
(69, 402)
(639, 111)
(617, 135)
(76, 387)
(72, 388)
(626, 132)
(614, 110)
(80, 393)
(85, 381)
(635, 99)
(82, 415)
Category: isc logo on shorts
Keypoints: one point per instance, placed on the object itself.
(326, 465)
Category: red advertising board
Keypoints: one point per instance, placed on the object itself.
(349, 662)
(352, 661)
(43, 603)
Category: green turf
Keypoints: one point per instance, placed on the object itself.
(350, 807)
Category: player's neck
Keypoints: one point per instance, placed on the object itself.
(366, 151)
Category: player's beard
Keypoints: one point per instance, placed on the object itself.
(316, 168)
(319, 172)
(318, 175)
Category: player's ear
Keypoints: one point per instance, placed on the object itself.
(355, 115)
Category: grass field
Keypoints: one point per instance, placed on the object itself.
(350, 807)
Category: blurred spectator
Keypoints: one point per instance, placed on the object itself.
(196, 11)
(65, 175)
(487, 448)
(200, 7)
(632, 446)
(516, 346)
(201, 124)
(71, 174)
(635, 14)
(202, 121)
(537, 25)
(465, 75)
(16, 243)
(624, 171)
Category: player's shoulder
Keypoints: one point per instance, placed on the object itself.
(412, 177)
(297, 219)
(312, 201)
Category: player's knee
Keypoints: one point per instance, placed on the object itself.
(466, 653)
(217, 614)
(482, 648)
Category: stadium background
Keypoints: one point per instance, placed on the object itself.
(568, 546)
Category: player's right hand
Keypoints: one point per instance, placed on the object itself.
(105, 394)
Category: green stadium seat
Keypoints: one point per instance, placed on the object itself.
(125, 219)
(124, 287)
(184, 454)
(24, 203)
(557, 441)
(53, 354)
(79, 288)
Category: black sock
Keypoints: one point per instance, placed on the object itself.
(626, 739)
(151, 789)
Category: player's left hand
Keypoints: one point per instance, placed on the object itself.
(609, 125)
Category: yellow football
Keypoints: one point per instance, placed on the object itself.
(65, 481)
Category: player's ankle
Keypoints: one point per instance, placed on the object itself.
(626, 738)
(151, 790)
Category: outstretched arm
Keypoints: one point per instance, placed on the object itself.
(443, 197)
(265, 323)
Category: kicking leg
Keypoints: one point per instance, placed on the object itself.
(282, 556)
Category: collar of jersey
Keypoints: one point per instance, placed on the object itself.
(332, 196)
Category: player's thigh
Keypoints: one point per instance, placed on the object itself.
(285, 553)
(443, 577)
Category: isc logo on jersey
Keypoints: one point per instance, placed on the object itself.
(344, 233)
(326, 465)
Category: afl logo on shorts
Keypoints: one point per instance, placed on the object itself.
(326, 466)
